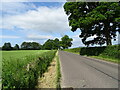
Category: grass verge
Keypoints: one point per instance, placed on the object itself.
(51, 78)
(58, 73)
(106, 59)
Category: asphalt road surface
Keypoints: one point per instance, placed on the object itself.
(82, 72)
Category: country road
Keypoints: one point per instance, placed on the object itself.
(82, 72)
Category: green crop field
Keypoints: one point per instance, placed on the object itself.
(19, 53)
(21, 69)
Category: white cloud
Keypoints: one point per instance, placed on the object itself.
(91, 38)
(8, 37)
(44, 19)
(13, 8)
(38, 37)
(77, 42)
(75, 36)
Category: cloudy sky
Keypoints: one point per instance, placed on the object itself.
(35, 21)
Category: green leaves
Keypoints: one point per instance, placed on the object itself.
(94, 18)
(66, 42)
(117, 19)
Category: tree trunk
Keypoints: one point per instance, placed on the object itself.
(108, 41)
(107, 34)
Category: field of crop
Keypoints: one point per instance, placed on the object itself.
(19, 53)
(73, 50)
(21, 69)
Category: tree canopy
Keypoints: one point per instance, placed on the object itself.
(57, 44)
(100, 19)
(66, 42)
(7, 46)
(16, 47)
(30, 46)
(50, 44)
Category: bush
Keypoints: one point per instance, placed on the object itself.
(92, 51)
(112, 52)
(109, 51)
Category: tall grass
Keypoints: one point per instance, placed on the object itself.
(58, 73)
(24, 72)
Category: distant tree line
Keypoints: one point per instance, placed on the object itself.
(50, 44)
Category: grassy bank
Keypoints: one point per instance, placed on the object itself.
(73, 50)
(58, 73)
(109, 53)
(21, 69)
(51, 78)
(106, 59)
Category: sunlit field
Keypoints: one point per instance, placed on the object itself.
(21, 69)
(20, 53)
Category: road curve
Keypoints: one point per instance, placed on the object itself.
(82, 72)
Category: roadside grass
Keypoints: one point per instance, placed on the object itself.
(58, 73)
(48, 79)
(23, 71)
(51, 78)
(106, 59)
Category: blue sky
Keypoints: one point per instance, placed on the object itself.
(35, 21)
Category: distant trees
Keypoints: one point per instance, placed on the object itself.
(56, 44)
(30, 46)
(0, 48)
(16, 47)
(7, 46)
(50, 44)
(66, 42)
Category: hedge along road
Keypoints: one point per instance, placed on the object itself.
(81, 72)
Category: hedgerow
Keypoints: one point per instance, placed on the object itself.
(92, 51)
(112, 52)
(109, 51)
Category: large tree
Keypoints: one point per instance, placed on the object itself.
(49, 44)
(36, 46)
(7, 46)
(56, 43)
(99, 19)
(66, 42)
